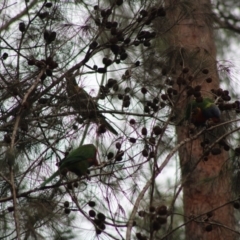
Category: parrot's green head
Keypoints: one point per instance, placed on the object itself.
(91, 154)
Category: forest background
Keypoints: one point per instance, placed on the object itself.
(142, 63)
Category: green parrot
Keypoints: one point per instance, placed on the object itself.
(82, 102)
(200, 112)
(77, 161)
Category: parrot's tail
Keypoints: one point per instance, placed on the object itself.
(49, 179)
(108, 125)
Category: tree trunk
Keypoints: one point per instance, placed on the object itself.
(206, 184)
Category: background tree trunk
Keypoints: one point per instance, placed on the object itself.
(206, 184)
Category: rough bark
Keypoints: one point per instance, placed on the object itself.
(206, 184)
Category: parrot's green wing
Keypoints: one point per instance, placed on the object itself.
(82, 102)
(77, 161)
(80, 159)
